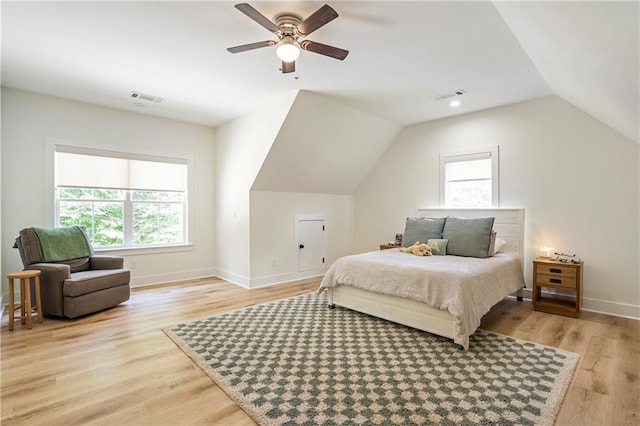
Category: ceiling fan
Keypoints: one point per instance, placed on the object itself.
(291, 30)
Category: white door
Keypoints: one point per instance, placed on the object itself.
(310, 244)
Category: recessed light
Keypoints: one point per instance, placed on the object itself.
(455, 103)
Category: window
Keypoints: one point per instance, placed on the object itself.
(469, 178)
(124, 200)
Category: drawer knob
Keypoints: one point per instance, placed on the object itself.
(555, 270)
(555, 281)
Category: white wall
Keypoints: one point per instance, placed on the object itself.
(28, 120)
(241, 147)
(324, 147)
(273, 231)
(321, 153)
(576, 178)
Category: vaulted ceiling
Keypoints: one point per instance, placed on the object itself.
(402, 56)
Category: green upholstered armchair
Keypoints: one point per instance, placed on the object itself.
(74, 281)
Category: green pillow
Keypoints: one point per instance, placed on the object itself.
(437, 246)
(469, 237)
(422, 229)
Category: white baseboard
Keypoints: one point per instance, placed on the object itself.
(611, 308)
(233, 278)
(145, 280)
(269, 280)
(616, 309)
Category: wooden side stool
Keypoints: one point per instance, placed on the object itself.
(26, 309)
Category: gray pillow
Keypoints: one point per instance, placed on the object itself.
(469, 237)
(422, 229)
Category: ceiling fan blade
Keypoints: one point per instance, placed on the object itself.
(288, 67)
(319, 18)
(251, 46)
(324, 49)
(252, 13)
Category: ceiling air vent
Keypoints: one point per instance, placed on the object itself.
(148, 98)
(453, 94)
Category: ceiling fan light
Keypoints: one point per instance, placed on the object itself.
(288, 52)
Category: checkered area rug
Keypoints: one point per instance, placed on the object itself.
(296, 362)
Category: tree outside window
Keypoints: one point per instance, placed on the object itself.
(122, 202)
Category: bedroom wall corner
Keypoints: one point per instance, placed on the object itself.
(29, 120)
(241, 147)
(321, 153)
(576, 178)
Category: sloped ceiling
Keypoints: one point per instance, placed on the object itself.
(587, 52)
(402, 55)
(324, 147)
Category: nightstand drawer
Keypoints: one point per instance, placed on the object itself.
(549, 273)
(558, 281)
(565, 271)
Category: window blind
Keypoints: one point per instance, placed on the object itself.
(464, 170)
(103, 169)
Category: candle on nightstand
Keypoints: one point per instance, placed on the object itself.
(546, 252)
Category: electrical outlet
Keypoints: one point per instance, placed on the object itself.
(274, 263)
(133, 264)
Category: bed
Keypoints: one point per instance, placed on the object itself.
(444, 295)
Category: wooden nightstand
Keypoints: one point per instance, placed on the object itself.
(387, 246)
(557, 275)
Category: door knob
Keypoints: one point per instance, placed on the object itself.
(301, 246)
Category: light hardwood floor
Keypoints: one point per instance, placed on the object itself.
(118, 368)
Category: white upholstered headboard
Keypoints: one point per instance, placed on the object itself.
(508, 224)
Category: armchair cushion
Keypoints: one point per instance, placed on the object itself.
(91, 281)
(78, 265)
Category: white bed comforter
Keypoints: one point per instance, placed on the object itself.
(466, 287)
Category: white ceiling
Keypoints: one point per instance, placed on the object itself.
(402, 55)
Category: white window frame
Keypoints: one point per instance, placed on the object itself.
(471, 154)
(50, 199)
